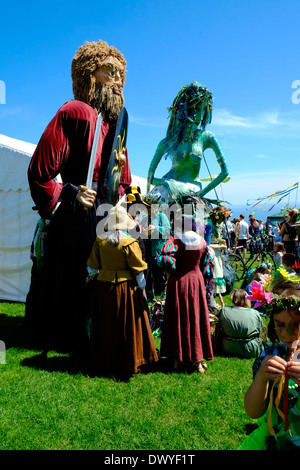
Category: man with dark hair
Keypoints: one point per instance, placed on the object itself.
(243, 234)
(57, 303)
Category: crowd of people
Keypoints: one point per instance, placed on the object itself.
(186, 338)
(255, 235)
(95, 273)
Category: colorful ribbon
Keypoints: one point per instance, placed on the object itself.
(281, 194)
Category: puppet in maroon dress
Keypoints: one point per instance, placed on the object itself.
(57, 301)
(186, 328)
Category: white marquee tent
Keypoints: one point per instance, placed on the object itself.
(17, 219)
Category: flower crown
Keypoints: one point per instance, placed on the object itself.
(215, 211)
(270, 301)
(217, 214)
(293, 212)
(286, 302)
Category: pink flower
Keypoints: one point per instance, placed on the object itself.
(258, 294)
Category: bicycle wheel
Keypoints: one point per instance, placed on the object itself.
(237, 263)
(268, 259)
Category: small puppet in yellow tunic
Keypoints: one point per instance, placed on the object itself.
(121, 339)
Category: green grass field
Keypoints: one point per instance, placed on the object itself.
(54, 403)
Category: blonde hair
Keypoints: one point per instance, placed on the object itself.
(86, 61)
(238, 298)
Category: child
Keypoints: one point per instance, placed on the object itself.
(257, 274)
(262, 270)
(278, 253)
(278, 430)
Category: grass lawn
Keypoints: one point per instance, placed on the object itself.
(53, 403)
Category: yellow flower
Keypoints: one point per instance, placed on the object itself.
(288, 276)
(265, 280)
(283, 272)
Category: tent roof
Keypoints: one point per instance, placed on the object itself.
(276, 215)
(17, 145)
(13, 174)
(14, 161)
(276, 218)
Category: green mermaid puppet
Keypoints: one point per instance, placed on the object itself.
(185, 142)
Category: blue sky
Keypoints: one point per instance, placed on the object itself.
(246, 52)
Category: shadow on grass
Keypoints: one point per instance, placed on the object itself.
(58, 363)
(15, 335)
(12, 333)
(76, 364)
(80, 364)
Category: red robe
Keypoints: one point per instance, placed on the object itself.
(58, 302)
(65, 149)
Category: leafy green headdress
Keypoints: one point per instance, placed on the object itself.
(189, 101)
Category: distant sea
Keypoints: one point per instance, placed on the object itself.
(259, 214)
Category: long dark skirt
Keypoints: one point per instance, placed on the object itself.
(121, 338)
(58, 302)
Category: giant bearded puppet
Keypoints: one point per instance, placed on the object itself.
(57, 303)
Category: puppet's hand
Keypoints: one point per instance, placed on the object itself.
(86, 196)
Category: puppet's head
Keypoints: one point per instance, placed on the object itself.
(192, 105)
(89, 59)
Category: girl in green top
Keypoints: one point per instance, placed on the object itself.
(276, 405)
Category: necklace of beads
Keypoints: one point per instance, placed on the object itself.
(293, 386)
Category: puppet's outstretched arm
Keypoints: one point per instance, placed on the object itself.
(160, 151)
(210, 141)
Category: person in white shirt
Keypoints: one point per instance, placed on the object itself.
(242, 234)
(278, 252)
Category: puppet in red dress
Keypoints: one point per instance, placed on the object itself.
(186, 334)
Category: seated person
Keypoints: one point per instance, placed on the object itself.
(240, 328)
(256, 275)
(288, 262)
(261, 271)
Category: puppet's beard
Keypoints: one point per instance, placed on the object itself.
(108, 103)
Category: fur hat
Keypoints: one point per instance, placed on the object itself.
(86, 61)
(119, 219)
